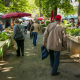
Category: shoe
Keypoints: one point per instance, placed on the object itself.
(18, 55)
(55, 74)
(22, 54)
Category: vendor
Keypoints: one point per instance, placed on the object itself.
(73, 24)
(78, 23)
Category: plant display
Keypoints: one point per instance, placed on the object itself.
(43, 25)
(47, 22)
(73, 32)
(4, 36)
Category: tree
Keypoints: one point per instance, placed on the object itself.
(48, 5)
(17, 6)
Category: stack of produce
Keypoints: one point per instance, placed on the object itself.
(4, 36)
(73, 32)
(8, 29)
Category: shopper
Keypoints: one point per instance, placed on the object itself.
(72, 23)
(78, 24)
(29, 26)
(54, 36)
(25, 26)
(1, 27)
(35, 31)
(20, 42)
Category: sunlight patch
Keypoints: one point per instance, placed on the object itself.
(10, 77)
(31, 54)
(6, 69)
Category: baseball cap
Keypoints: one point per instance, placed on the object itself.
(57, 17)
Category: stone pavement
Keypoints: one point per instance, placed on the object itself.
(32, 67)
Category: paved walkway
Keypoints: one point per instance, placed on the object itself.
(32, 67)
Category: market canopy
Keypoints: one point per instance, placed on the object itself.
(15, 15)
(26, 18)
(70, 16)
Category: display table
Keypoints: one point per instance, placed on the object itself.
(73, 45)
(4, 45)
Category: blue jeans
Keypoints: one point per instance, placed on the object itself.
(34, 38)
(54, 59)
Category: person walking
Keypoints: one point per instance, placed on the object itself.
(20, 42)
(29, 27)
(25, 26)
(78, 23)
(35, 31)
(54, 36)
(1, 27)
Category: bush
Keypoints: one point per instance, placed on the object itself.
(47, 22)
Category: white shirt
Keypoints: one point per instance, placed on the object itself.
(25, 23)
(73, 27)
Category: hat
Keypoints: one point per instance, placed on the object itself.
(57, 17)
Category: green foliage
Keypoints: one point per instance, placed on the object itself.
(47, 22)
(66, 7)
(43, 25)
(65, 21)
(47, 5)
(4, 36)
(18, 6)
(73, 32)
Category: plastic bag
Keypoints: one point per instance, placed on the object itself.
(14, 47)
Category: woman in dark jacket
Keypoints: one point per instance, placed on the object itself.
(1, 27)
(29, 26)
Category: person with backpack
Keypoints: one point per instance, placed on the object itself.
(17, 30)
(54, 36)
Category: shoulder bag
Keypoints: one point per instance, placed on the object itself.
(32, 28)
(52, 29)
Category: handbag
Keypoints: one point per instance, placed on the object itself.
(19, 34)
(45, 52)
(32, 28)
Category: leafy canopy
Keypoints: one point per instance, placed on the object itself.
(47, 5)
(18, 5)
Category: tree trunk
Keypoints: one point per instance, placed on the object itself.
(6, 3)
(79, 9)
(55, 12)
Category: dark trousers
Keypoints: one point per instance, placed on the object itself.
(34, 38)
(31, 36)
(54, 60)
(25, 29)
(20, 44)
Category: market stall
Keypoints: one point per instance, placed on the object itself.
(5, 42)
(73, 42)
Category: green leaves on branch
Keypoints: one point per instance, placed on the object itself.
(66, 7)
(47, 5)
(17, 5)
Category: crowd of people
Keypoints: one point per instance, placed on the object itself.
(23, 29)
(52, 39)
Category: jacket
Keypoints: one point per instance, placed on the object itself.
(15, 30)
(56, 38)
(36, 27)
